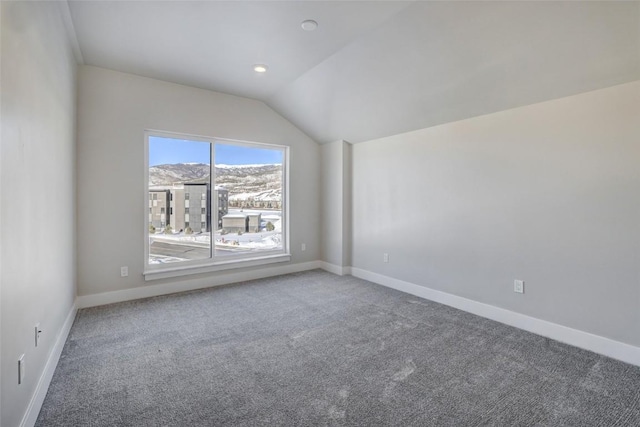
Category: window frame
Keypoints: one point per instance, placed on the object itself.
(213, 263)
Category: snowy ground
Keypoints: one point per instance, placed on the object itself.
(169, 248)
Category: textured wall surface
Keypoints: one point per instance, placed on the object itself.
(38, 192)
(114, 109)
(547, 193)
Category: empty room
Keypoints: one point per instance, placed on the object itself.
(319, 213)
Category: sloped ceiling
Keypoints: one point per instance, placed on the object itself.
(371, 69)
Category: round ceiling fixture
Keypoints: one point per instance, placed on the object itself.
(260, 68)
(309, 25)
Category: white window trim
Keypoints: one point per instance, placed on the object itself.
(213, 267)
(163, 271)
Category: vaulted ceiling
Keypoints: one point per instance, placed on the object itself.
(371, 68)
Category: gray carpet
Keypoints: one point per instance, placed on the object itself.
(312, 349)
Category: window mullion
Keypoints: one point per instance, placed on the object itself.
(211, 203)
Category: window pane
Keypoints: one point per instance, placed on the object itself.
(179, 176)
(248, 195)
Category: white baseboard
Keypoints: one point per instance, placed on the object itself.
(585, 340)
(335, 269)
(31, 416)
(191, 285)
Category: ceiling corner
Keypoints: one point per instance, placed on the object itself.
(71, 31)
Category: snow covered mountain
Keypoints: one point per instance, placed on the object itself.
(178, 173)
(260, 182)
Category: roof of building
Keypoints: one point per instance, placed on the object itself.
(231, 216)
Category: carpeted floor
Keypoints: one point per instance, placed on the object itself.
(312, 349)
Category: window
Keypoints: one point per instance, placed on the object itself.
(239, 189)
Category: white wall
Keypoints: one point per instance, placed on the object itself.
(548, 193)
(37, 179)
(1, 204)
(114, 109)
(336, 203)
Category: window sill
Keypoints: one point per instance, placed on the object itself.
(166, 273)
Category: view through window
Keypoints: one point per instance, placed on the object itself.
(197, 212)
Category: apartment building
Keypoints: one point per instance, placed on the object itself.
(186, 206)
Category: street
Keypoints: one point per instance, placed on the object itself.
(179, 250)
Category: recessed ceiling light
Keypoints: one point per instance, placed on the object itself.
(260, 68)
(309, 25)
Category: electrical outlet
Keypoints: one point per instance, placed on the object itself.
(385, 257)
(518, 286)
(303, 247)
(38, 332)
(21, 369)
(124, 271)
